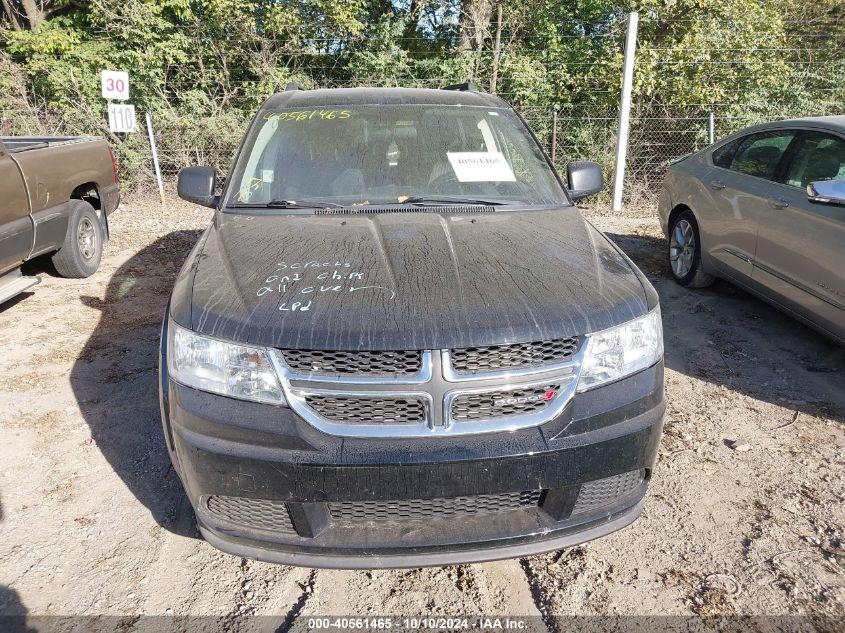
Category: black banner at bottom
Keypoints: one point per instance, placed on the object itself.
(422, 623)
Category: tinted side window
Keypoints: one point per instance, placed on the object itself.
(723, 156)
(819, 157)
(759, 154)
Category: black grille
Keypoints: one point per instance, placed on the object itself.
(416, 509)
(499, 404)
(257, 513)
(602, 493)
(358, 363)
(473, 360)
(358, 410)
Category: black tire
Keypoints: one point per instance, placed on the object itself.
(80, 254)
(693, 276)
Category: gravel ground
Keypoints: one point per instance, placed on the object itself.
(93, 520)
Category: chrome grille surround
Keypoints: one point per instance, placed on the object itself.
(438, 389)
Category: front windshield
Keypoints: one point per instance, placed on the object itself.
(391, 154)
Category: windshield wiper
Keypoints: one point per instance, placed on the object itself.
(286, 204)
(449, 200)
(322, 204)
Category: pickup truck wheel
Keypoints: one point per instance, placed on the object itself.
(82, 249)
(685, 252)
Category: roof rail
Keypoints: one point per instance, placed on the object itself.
(464, 87)
(293, 86)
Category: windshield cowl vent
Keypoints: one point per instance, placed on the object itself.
(440, 208)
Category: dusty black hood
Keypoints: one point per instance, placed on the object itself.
(409, 280)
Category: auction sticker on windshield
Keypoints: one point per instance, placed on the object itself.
(481, 167)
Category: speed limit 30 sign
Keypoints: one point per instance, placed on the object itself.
(115, 84)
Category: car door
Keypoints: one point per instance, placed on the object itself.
(800, 259)
(15, 222)
(739, 188)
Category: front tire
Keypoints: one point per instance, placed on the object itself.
(685, 252)
(82, 249)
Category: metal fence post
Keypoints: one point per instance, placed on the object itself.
(554, 136)
(711, 129)
(155, 157)
(625, 110)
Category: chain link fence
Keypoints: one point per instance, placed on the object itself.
(657, 136)
(178, 143)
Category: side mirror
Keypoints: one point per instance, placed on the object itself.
(584, 178)
(196, 184)
(827, 192)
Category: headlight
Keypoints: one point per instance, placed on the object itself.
(230, 369)
(622, 350)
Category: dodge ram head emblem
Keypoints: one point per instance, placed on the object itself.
(537, 397)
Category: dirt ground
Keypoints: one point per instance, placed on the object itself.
(92, 517)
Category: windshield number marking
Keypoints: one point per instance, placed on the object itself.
(308, 115)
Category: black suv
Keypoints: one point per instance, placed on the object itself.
(399, 343)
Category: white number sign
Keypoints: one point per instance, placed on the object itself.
(121, 117)
(115, 84)
(481, 167)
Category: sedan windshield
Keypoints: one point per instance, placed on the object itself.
(391, 154)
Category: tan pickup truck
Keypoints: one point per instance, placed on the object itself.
(56, 194)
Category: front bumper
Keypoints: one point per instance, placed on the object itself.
(267, 485)
(473, 553)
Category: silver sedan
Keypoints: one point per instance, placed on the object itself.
(765, 209)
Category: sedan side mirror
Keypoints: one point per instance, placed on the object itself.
(584, 178)
(196, 184)
(827, 192)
